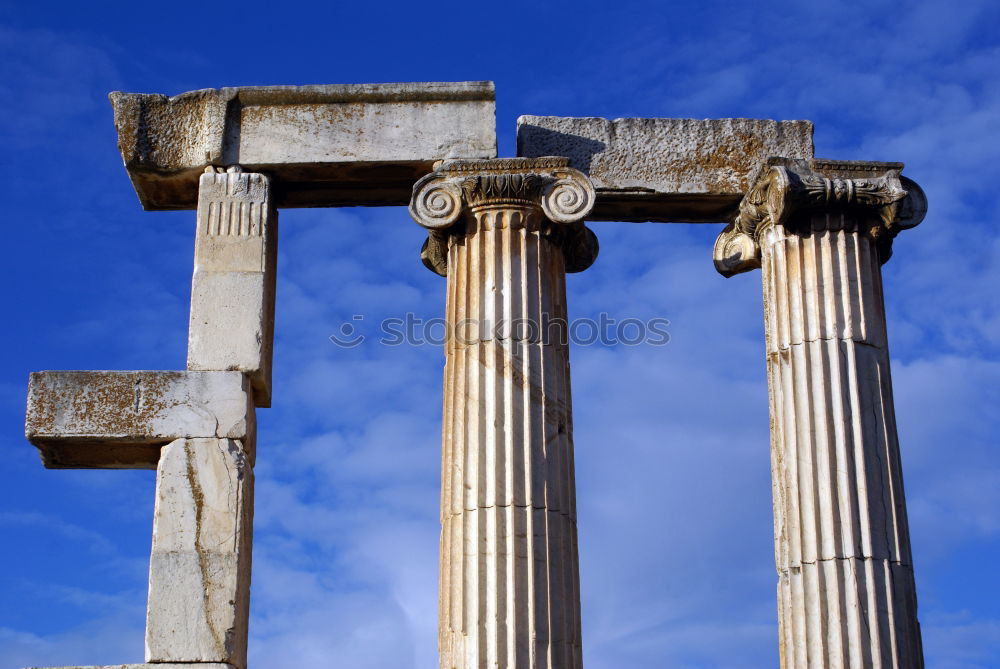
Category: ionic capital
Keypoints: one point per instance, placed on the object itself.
(550, 198)
(881, 201)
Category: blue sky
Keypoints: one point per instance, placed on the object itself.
(672, 444)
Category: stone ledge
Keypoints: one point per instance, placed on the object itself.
(120, 420)
(664, 169)
(337, 145)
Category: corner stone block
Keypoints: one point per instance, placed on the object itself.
(121, 420)
(665, 169)
(232, 291)
(199, 570)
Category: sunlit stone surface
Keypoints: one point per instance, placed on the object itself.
(510, 587)
(232, 291)
(120, 420)
(333, 145)
(820, 231)
(199, 571)
(665, 169)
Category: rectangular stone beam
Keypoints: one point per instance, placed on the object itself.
(324, 146)
(121, 420)
(664, 169)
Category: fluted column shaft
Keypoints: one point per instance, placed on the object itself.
(846, 593)
(509, 590)
(509, 576)
(820, 232)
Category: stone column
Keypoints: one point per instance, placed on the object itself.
(232, 291)
(199, 569)
(505, 232)
(199, 575)
(197, 429)
(820, 231)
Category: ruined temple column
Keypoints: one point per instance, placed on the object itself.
(231, 325)
(199, 570)
(505, 232)
(820, 231)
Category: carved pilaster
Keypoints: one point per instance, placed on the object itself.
(232, 290)
(504, 232)
(820, 231)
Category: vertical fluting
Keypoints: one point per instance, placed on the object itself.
(846, 594)
(509, 589)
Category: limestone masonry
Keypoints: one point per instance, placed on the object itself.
(326, 145)
(510, 584)
(120, 420)
(665, 169)
(505, 232)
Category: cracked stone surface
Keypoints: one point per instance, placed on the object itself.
(665, 169)
(112, 419)
(199, 570)
(846, 593)
(335, 145)
(509, 585)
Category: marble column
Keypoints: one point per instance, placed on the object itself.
(235, 265)
(199, 577)
(199, 567)
(820, 230)
(198, 430)
(505, 232)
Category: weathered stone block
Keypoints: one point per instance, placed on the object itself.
(232, 291)
(363, 144)
(199, 569)
(109, 420)
(663, 169)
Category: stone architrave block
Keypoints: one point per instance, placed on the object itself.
(664, 169)
(199, 569)
(335, 145)
(232, 291)
(120, 420)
